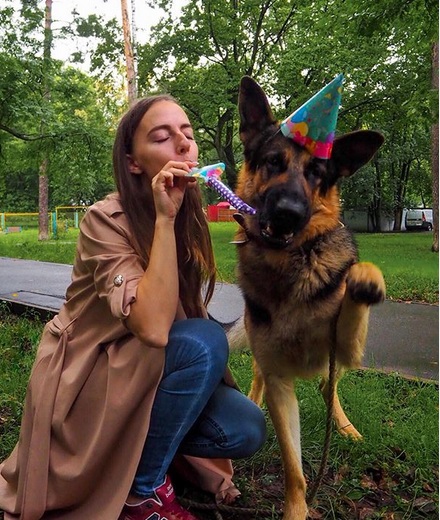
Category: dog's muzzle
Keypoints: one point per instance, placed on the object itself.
(281, 219)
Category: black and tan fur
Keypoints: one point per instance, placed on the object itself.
(299, 273)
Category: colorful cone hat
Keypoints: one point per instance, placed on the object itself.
(313, 125)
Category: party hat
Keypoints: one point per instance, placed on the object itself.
(313, 125)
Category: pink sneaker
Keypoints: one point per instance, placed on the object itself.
(163, 505)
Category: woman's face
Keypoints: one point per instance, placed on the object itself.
(164, 134)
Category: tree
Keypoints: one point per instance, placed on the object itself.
(207, 51)
(78, 122)
(434, 152)
(43, 185)
(293, 50)
(383, 49)
(129, 58)
(409, 30)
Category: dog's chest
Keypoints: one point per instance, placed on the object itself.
(306, 275)
(293, 298)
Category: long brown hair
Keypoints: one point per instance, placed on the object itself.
(194, 248)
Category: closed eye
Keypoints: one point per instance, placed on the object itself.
(162, 133)
(162, 139)
(160, 136)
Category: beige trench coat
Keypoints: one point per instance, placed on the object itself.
(90, 393)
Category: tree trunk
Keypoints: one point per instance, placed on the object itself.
(129, 59)
(376, 204)
(43, 202)
(398, 214)
(43, 183)
(134, 40)
(434, 153)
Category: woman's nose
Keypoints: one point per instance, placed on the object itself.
(183, 144)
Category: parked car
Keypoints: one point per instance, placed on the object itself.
(418, 220)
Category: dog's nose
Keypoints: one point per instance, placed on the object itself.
(289, 211)
(285, 212)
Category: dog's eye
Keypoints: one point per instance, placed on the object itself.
(274, 163)
(314, 173)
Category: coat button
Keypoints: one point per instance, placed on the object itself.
(118, 280)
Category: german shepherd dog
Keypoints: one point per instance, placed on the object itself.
(298, 270)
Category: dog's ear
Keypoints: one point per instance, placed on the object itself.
(353, 150)
(255, 112)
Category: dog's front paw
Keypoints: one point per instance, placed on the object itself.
(350, 431)
(365, 283)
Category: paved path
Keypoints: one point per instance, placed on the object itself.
(403, 337)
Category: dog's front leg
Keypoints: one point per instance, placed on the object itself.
(283, 408)
(365, 286)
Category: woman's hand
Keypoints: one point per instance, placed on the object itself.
(157, 299)
(169, 187)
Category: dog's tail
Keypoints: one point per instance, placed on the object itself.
(237, 336)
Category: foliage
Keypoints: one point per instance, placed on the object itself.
(76, 133)
(291, 48)
(210, 48)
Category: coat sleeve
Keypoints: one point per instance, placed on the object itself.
(106, 252)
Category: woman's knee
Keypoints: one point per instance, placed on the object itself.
(254, 432)
(199, 341)
(241, 423)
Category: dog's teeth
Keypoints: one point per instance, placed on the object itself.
(268, 230)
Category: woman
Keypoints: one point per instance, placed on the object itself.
(130, 378)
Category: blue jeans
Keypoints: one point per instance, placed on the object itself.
(194, 412)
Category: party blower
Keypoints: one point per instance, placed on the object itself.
(211, 174)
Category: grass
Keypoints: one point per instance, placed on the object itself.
(409, 267)
(392, 474)
(393, 471)
(27, 246)
(19, 338)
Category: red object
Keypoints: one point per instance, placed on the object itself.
(212, 213)
(162, 505)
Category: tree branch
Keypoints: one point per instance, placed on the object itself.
(23, 137)
(26, 137)
(273, 39)
(211, 30)
(354, 107)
